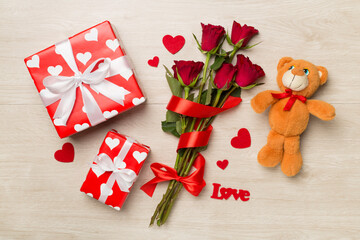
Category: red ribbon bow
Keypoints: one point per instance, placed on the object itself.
(193, 183)
(291, 101)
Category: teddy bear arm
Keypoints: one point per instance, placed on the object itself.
(320, 109)
(262, 101)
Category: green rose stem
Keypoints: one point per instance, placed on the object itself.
(178, 157)
(202, 84)
(179, 162)
(185, 171)
(164, 207)
(232, 54)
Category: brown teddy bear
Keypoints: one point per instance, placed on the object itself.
(289, 114)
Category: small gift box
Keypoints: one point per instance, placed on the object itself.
(115, 169)
(84, 80)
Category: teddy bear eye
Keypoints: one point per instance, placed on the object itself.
(306, 71)
(291, 67)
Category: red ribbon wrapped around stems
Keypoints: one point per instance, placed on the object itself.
(291, 101)
(193, 183)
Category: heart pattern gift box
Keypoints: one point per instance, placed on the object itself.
(84, 80)
(115, 169)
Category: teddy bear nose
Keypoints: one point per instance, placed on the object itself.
(297, 71)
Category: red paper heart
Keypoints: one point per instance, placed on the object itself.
(173, 44)
(66, 154)
(222, 164)
(154, 62)
(242, 140)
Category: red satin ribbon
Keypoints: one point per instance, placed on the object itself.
(193, 183)
(291, 101)
(197, 110)
(195, 139)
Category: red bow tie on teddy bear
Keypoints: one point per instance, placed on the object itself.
(293, 98)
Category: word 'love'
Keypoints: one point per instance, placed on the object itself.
(225, 193)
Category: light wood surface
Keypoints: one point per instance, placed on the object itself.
(40, 197)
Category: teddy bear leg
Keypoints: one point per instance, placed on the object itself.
(292, 161)
(272, 153)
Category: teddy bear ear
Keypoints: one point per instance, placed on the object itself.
(283, 61)
(323, 74)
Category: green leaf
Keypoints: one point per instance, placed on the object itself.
(239, 43)
(200, 149)
(178, 127)
(203, 97)
(236, 93)
(172, 116)
(209, 90)
(191, 97)
(248, 47)
(228, 39)
(197, 42)
(168, 71)
(174, 85)
(169, 127)
(252, 85)
(219, 60)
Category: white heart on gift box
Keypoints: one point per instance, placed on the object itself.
(108, 114)
(121, 164)
(112, 44)
(90, 194)
(137, 101)
(112, 142)
(81, 127)
(105, 190)
(139, 156)
(34, 62)
(83, 109)
(58, 122)
(55, 71)
(92, 35)
(98, 171)
(117, 208)
(83, 57)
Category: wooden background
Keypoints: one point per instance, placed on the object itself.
(40, 197)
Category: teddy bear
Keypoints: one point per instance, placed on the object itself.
(290, 110)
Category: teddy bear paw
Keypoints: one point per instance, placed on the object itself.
(291, 164)
(269, 157)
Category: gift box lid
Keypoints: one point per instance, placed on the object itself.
(115, 169)
(85, 79)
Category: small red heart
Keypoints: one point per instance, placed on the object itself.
(242, 140)
(154, 62)
(66, 154)
(173, 44)
(222, 164)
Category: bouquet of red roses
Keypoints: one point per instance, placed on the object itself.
(193, 108)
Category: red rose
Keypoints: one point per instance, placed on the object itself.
(239, 32)
(211, 36)
(188, 72)
(224, 76)
(247, 72)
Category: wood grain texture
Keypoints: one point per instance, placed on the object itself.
(40, 198)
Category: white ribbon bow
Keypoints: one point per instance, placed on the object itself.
(64, 87)
(124, 177)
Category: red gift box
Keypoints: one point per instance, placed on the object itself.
(115, 169)
(84, 80)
